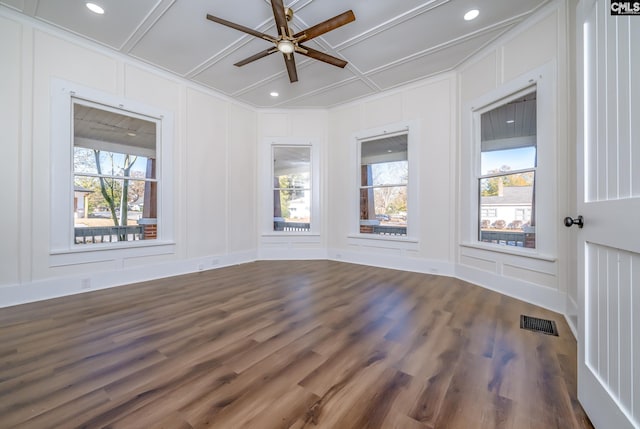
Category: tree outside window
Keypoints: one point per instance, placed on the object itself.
(115, 186)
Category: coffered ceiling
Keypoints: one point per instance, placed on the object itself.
(389, 44)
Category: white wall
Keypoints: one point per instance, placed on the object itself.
(218, 159)
(539, 43)
(430, 106)
(10, 150)
(306, 126)
(213, 161)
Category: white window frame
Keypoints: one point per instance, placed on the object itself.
(410, 241)
(542, 80)
(266, 186)
(62, 247)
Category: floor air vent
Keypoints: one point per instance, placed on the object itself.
(538, 325)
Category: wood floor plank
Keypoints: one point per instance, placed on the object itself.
(286, 344)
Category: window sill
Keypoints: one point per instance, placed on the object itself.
(108, 252)
(290, 237)
(510, 250)
(392, 242)
(290, 233)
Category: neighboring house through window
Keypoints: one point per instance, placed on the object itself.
(508, 163)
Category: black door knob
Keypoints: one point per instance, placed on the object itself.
(577, 221)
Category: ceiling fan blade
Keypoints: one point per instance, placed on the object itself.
(256, 57)
(279, 16)
(326, 26)
(241, 28)
(317, 55)
(291, 67)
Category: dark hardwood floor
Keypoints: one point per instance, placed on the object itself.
(295, 344)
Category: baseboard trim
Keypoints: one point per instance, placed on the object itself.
(57, 287)
(16, 294)
(394, 262)
(278, 253)
(551, 299)
(571, 314)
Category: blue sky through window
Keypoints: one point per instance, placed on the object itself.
(517, 159)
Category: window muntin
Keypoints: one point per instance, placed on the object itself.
(292, 184)
(508, 164)
(384, 176)
(114, 175)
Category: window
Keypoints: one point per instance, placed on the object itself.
(487, 212)
(289, 190)
(510, 160)
(292, 197)
(507, 179)
(115, 185)
(384, 176)
(523, 214)
(111, 186)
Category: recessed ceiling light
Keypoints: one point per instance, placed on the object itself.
(95, 8)
(472, 14)
(510, 121)
(130, 134)
(273, 94)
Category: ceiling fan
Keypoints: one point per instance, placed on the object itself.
(288, 43)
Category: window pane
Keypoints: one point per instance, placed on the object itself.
(295, 206)
(389, 173)
(109, 163)
(507, 210)
(391, 205)
(384, 175)
(292, 167)
(101, 215)
(508, 160)
(509, 136)
(390, 210)
(110, 143)
(292, 188)
(84, 160)
(384, 161)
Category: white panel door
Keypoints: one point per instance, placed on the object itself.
(609, 200)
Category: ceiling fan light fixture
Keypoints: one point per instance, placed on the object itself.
(286, 46)
(472, 14)
(95, 8)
